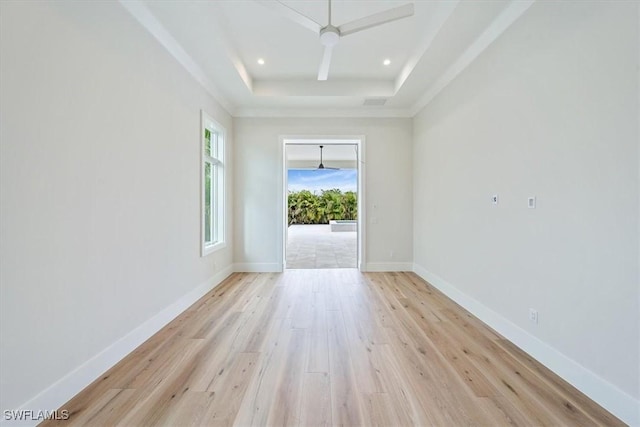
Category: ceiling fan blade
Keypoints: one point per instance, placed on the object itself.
(323, 73)
(376, 19)
(292, 14)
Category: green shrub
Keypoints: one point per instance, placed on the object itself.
(308, 208)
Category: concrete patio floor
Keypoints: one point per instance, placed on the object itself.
(315, 246)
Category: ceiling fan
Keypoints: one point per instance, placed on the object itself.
(330, 34)
(321, 165)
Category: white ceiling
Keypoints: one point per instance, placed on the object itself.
(219, 42)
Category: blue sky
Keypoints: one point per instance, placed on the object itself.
(316, 180)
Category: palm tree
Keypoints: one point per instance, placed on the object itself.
(305, 207)
(350, 203)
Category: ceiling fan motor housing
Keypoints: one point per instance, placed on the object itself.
(329, 35)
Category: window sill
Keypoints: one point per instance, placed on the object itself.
(209, 249)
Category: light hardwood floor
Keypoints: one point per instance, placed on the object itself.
(329, 347)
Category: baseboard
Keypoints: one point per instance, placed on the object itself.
(388, 266)
(257, 267)
(71, 384)
(599, 390)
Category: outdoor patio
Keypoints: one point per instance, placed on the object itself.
(315, 246)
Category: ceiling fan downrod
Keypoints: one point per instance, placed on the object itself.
(321, 166)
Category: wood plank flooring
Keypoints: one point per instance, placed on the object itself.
(329, 347)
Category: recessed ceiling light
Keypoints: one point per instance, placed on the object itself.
(260, 61)
(386, 62)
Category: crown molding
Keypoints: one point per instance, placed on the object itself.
(143, 15)
(498, 26)
(439, 20)
(381, 88)
(244, 112)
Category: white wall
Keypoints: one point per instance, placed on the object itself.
(100, 187)
(258, 186)
(99, 202)
(549, 110)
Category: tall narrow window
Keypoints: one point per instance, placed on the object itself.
(213, 192)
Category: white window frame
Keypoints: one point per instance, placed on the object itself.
(218, 193)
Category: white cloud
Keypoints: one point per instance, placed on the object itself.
(315, 176)
(316, 181)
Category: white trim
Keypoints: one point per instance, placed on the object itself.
(602, 392)
(285, 112)
(284, 203)
(362, 205)
(75, 381)
(143, 15)
(218, 185)
(359, 142)
(257, 267)
(389, 266)
(209, 249)
(507, 17)
(433, 28)
(499, 25)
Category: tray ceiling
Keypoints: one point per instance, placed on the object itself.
(220, 43)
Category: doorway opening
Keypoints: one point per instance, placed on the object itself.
(323, 215)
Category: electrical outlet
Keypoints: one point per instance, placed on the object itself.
(531, 202)
(494, 199)
(391, 254)
(533, 316)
